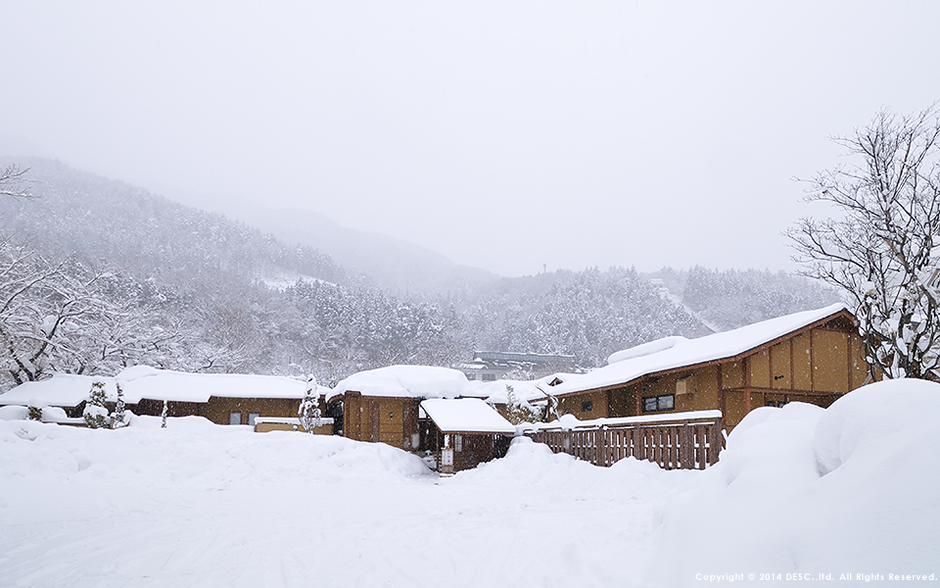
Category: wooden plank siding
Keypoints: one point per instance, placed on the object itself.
(816, 364)
(389, 420)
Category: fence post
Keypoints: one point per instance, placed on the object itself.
(714, 441)
(686, 446)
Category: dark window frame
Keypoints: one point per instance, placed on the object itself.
(659, 403)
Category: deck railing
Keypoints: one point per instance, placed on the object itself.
(690, 440)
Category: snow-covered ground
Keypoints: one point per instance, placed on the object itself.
(851, 490)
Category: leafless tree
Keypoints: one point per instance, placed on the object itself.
(883, 250)
(13, 182)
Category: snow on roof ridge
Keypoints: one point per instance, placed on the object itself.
(646, 348)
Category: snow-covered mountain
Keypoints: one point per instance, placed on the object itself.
(391, 263)
(201, 292)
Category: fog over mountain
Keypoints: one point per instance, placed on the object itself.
(131, 277)
(391, 263)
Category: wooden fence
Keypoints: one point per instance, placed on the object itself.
(686, 443)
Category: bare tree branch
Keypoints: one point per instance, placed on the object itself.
(882, 253)
(14, 183)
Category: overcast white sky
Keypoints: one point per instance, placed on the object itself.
(503, 134)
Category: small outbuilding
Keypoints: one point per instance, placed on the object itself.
(382, 405)
(470, 427)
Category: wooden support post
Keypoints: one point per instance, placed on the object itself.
(686, 446)
(746, 365)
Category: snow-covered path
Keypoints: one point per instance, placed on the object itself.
(800, 491)
(210, 506)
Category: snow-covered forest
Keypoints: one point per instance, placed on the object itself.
(99, 275)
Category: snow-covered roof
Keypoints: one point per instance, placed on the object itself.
(466, 415)
(677, 352)
(523, 390)
(59, 390)
(407, 381)
(146, 382)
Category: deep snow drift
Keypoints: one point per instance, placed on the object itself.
(854, 489)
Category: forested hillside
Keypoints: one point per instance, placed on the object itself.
(97, 275)
(728, 299)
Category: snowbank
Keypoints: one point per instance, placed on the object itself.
(852, 489)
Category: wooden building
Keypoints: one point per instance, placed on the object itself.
(815, 357)
(383, 405)
(473, 430)
(223, 399)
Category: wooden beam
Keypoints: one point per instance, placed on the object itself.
(639, 398)
(792, 369)
(848, 362)
(770, 368)
(812, 363)
(746, 366)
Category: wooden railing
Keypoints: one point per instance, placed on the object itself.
(690, 440)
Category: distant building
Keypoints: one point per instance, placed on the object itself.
(489, 366)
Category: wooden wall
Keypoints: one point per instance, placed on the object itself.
(268, 427)
(217, 409)
(381, 420)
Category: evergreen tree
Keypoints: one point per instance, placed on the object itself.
(96, 413)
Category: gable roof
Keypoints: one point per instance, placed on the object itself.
(672, 353)
(466, 415)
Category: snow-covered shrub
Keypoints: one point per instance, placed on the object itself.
(53, 414)
(518, 410)
(309, 411)
(34, 410)
(120, 418)
(96, 414)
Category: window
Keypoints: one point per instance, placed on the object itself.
(234, 418)
(587, 406)
(471, 376)
(458, 442)
(252, 416)
(659, 403)
(489, 377)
